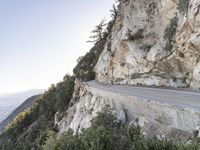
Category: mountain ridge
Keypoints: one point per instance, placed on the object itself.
(22, 107)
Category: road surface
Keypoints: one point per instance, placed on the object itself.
(178, 98)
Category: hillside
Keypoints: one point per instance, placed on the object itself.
(9, 102)
(25, 105)
(147, 43)
(5, 111)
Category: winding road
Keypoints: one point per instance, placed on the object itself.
(178, 98)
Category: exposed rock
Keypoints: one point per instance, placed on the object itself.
(196, 75)
(78, 91)
(122, 116)
(197, 132)
(164, 54)
(157, 52)
(141, 121)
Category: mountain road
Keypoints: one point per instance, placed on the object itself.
(178, 98)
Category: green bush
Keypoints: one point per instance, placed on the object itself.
(183, 5)
(29, 129)
(50, 143)
(64, 91)
(135, 36)
(84, 70)
(68, 141)
(170, 31)
(168, 46)
(107, 133)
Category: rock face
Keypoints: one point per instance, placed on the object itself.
(153, 43)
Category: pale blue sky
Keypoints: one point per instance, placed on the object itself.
(40, 40)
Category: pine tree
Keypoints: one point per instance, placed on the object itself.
(98, 32)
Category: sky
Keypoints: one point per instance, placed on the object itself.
(40, 40)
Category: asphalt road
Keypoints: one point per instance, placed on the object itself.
(178, 98)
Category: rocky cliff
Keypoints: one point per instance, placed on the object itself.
(148, 43)
(153, 43)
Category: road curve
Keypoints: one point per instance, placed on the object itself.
(181, 99)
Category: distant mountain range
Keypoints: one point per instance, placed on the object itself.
(26, 104)
(17, 98)
(8, 102)
(5, 111)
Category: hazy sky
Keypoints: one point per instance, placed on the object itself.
(40, 40)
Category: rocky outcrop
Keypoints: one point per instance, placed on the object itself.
(153, 43)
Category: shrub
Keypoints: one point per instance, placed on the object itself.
(168, 46)
(122, 64)
(29, 130)
(181, 55)
(170, 31)
(135, 36)
(107, 133)
(109, 45)
(136, 75)
(183, 5)
(64, 91)
(99, 32)
(51, 141)
(68, 141)
(84, 70)
(147, 47)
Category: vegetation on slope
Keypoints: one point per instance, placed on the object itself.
(107, 133)
(169, 33)
(85, 67)
(28, 130)
(84, 70)
(183, 5)
(25, 105)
